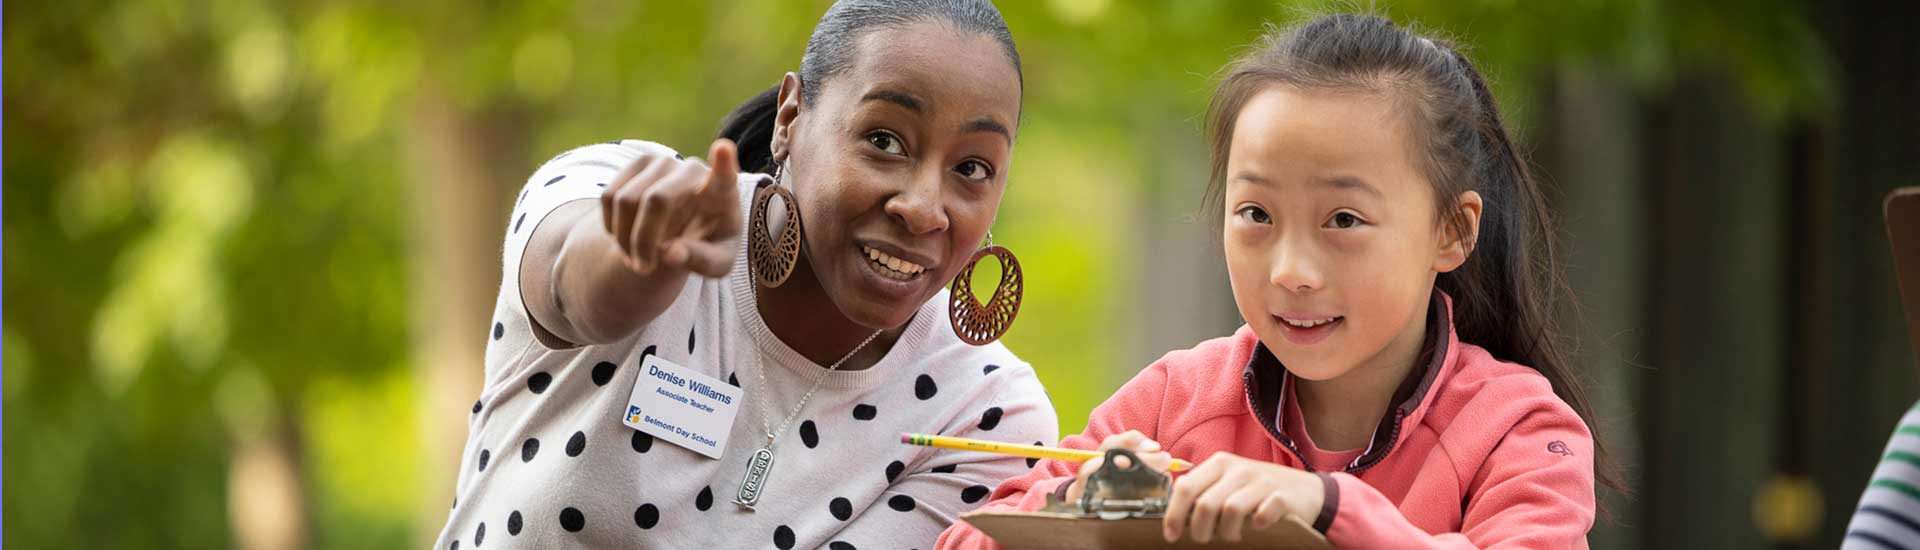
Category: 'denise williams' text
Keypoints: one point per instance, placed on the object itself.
(697, 387)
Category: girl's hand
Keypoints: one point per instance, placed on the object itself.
(1147, 449)
(676, 215)
(1225, 493)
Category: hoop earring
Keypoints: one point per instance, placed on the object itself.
(772, 257)
(981, 324)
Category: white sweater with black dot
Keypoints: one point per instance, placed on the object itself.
(549, 464)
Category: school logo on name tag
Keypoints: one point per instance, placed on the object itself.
(686, 408)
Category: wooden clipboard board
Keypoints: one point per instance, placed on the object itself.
(1054, 531)
(1903, 230)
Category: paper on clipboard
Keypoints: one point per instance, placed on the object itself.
(1053, 531)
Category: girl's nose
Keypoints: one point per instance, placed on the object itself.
(1294, 268)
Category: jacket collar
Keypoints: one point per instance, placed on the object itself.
(1267, 380)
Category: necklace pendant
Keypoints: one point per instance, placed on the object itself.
(755, 481)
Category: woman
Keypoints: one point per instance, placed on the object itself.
(653, 379)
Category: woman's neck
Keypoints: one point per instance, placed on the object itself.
(1341, 413)
(801, 315)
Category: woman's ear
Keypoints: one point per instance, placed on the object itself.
(786, 113)
(1455, 247)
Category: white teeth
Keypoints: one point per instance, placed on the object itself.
(1308, 323)
(892, 262)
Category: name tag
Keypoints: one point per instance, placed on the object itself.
(686, 408)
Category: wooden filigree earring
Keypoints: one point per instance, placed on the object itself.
(976, 323)
(772, 252)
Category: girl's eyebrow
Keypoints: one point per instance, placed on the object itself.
(1339, 182)
(1344, 182)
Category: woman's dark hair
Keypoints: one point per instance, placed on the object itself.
(830, 50)
(1502, 295)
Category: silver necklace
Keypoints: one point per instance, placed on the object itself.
(760, 464)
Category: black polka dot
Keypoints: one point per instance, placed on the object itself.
(479, 534)
(577, 443)
(498, 330)
(901, 503)
(705, 500)
(556, 179)
(523, 197)
(809, 434)
(989, 369)
(1033, 461)
(484, 456)
(539, 381)
(528, 449)
(513, 523)
(991, 418)
(948, 469)
(894, 469)
(837, 545)
(476, 406)
(841, 508)
(783, 537)
(924, 388)
(678, 156)
(572, 520)
(603, 372)
(455, 545)
(646, 516)
(517, 222)
(689, 341)
(864, 411)
(734, 378)
(642, 441)
(973, 494)
(651, 350)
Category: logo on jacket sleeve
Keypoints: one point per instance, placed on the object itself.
(1559, 447)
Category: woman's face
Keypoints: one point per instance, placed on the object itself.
(898, 165)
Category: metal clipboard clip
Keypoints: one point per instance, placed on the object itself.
(1115, 492)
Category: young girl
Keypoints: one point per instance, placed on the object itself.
(1397, 384)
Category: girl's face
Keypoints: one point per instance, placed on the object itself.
(898, 165)
(1332, 242)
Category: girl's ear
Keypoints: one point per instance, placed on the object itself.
(1454, 248)
(786, 113)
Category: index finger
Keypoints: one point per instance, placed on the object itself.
(1185, 490)
(726, 166)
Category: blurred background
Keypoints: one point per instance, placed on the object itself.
(251, 246)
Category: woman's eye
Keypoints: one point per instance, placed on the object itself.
(974, 170)
(1255, 214)
(886, 142)
(1344, 220)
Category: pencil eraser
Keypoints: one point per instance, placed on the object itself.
(906, 437)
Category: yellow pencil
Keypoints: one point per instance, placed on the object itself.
(1015, 449)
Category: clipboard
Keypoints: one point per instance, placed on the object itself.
(1122, 508)
(1903, 230)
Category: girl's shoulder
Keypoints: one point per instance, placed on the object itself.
(1485, 400)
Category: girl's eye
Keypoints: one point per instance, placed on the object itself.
(1254, 214)
(974, 170)
(886, 141)
(1344, 220)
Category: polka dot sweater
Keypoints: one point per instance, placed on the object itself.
(549, 464)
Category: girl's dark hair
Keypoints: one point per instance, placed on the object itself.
(830, 51)
(1502, 295)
